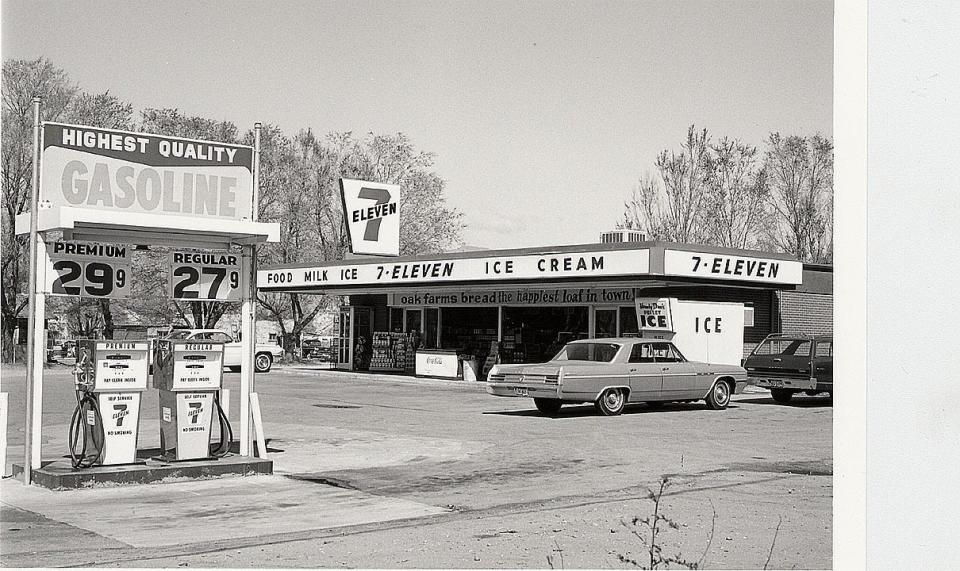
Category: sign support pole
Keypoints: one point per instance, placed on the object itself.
(248, 313)
(34, 380)
(247, 333)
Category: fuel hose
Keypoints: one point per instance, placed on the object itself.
(86, 427)
(226, 431)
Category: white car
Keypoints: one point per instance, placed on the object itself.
(264, 353)
(613, 372)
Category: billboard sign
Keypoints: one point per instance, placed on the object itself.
(104, 169)
(372, 213)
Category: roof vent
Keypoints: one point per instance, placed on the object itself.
(621, 235)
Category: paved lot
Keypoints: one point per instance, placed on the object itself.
(393, 472)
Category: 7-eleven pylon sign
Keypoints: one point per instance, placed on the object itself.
(372, 212)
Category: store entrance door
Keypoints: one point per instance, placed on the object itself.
(362, 337)
(344, 341)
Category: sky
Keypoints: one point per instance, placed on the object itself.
(542, 115)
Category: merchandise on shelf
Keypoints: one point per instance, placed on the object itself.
(390, 351)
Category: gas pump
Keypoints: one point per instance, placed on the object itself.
(189, 375)
(109, 376)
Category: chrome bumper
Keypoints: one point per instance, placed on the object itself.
(516, 390)
(792, 383)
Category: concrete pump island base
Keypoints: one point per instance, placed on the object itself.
(98, 197)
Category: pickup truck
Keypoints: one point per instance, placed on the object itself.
(789, 364)
(264, 353)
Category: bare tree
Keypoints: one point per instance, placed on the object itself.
(684, 176)
(290, 174)
(644, 211)
(22, 80)
(800, 176)
(672, 208)
(735, 211)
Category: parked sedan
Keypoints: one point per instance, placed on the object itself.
(612, 372)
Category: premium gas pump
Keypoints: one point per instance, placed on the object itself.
(189, 375)
(110, 375)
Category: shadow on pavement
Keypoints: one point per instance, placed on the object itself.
(795, 402)
(574, 411)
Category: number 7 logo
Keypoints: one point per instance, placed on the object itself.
(194, 412)
(120, 414)
(381, 196)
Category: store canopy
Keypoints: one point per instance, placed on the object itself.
(637, 264)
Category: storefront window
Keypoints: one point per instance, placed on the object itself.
(413, 320)
(535, 334)
(414, 317)
(396, 319)
(431, 317)
(469, 329)
(628, 322)
(605, 323)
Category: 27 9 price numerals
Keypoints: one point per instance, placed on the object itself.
(209, 283)
(90, 279)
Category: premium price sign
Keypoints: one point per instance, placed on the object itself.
(86, 269)
(205, 276)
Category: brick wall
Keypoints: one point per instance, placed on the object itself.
(808, 313)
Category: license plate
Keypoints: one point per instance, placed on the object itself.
(775, 383)
(520, 391)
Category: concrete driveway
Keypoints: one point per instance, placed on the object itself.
(381, 471)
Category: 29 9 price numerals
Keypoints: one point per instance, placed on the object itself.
(89, 279)
(205, 283)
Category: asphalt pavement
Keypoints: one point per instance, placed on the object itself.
(394, 471)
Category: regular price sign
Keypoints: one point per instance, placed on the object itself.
(205, 276)
(86, 269)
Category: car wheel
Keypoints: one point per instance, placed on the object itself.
(611, 402)
(262, 362)
(782, 396)
(548, 406)
(719, 396)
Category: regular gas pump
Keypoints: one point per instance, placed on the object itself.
(189, 375)
(110, 376)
